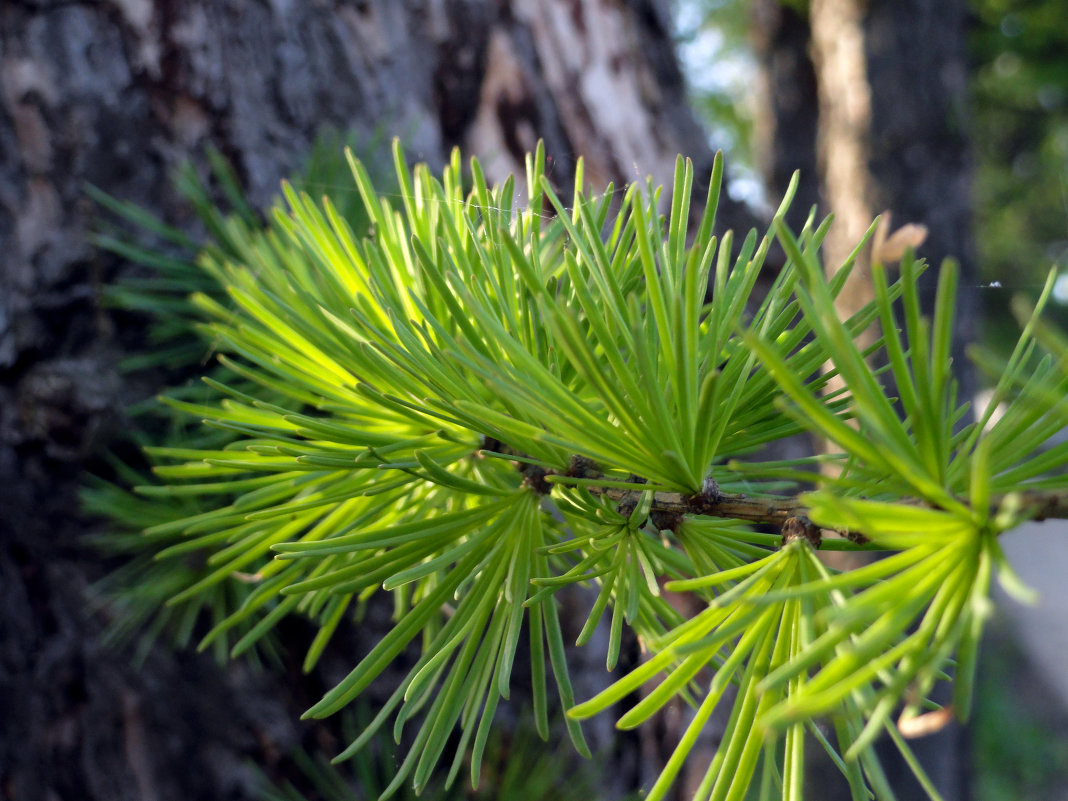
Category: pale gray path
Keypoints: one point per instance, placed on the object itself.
(1039, 554)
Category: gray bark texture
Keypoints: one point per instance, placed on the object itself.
(919, 152)
(922, 167)
(921, 155)
(919, 168)
(787, 122)
(117, 94)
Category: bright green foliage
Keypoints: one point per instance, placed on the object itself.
(480, 403)
(174, 270)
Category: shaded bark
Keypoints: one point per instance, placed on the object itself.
(843, 144)
(117, 94)
(787, 119)
(921, 156)
(921, 163)
(909, 153)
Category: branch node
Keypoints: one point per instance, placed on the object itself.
(493, 444)
(855, 537)
(665, 520)
(801, 528)
(710, 490)
(534, 477)
(583, 467)
(704, 503)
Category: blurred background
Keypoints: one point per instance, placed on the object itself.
(949, 113)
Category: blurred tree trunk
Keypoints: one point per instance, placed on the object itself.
(843, 141)
(889, 81)
(921, 163)
(117, 94)
(920, 150)
(787, 120)
(918, 155)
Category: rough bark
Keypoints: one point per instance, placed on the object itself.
(920, 151)
(786, 120)
(844, 130)
(920, 160)
(909, 154)
(117, 94)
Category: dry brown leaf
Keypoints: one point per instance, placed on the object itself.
(927, 723)
(888, 248)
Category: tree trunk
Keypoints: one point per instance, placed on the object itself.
(843, 134)
(117, 94)
(920, 159)
(892, 129)
(787, 115)
(920, 151)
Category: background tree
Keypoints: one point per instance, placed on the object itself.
(117, 95)
(890, 81)
(1020, 96)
